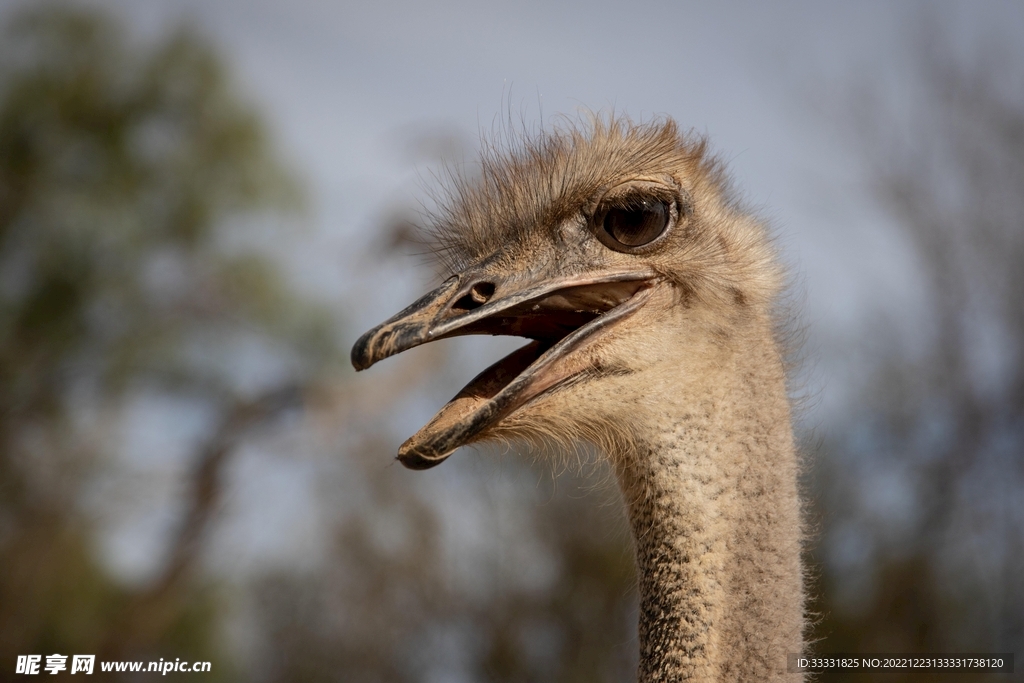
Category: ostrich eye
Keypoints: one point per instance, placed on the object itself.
(637, 224)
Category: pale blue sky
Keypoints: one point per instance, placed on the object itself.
(346, 86)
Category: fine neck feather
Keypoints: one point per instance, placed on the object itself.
(712, 501)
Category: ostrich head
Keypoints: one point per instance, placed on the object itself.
(618, 249)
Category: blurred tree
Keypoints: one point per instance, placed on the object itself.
(923, 491)
(534, 585)
(133, 182)
(129, 177)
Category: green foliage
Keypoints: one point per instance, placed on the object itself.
(118, 168)
(124, 170)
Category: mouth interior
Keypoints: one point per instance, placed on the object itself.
(548, 321)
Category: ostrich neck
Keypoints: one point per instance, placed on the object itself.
(712, 501)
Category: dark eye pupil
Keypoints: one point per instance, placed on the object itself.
(637, 225)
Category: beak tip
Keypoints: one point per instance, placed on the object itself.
(415, 460)
(358, 361)
(385, 341)
(362, 352)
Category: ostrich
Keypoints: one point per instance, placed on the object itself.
(650, 297)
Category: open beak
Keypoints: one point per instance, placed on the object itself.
(563, 316)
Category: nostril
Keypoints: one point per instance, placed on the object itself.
(482, 292)
(478, 295)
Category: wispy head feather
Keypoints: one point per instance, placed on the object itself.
(525, 181)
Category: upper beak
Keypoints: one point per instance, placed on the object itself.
(559, 313)
(408, 328)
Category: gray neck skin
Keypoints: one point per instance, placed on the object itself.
(715, 517)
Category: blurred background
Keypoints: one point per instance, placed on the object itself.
(203, 204)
